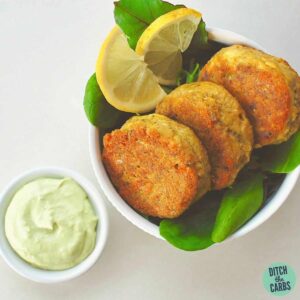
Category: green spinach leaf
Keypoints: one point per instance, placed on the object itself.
(200, 39)
(193, 75)
(188, 76)
(282, 158)
(238, 205)
(200, 53)
(98, 111)
(272, 183)
(192, 231)
(202, 34)
(134, 16)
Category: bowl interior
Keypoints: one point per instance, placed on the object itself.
(44, 276)
(270, 206)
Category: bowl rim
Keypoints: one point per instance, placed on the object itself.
(289, 182)
(35, 274)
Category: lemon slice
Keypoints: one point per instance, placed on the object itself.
(164, 41)
(124, 78)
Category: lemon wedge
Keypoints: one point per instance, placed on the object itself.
(124, 78)
(163, 42)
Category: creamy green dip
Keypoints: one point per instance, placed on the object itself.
(51, 224)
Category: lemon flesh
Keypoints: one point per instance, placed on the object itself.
(164, 41)
(124, 78)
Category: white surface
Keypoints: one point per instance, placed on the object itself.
(43, 276)
(48, 50)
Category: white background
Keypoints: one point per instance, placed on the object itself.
(47, 52)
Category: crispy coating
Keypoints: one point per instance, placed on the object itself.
(220, 123)
(157, 165)
(266, 87)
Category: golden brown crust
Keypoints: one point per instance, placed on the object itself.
(157, 165)
(266, 87)
(220, 123)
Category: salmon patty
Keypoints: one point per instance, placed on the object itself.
(266, 86)
(158, 166)
(219, 122)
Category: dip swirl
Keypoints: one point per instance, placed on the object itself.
(50, 223)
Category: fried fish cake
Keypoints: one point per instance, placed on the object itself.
(220, 123)
(266, 86)
(157, 165)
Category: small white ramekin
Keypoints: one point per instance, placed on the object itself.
(270, 207)
(44, 276)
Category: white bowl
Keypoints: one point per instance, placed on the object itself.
(270, 207)
(44, 276)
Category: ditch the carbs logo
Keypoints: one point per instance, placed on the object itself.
(279, 279)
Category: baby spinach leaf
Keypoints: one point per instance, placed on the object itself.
(272, 183)
(200, 38)
(98, 111)
(200, 53)
(188, 76)
(238, 205)
(192, 231)
(193, 75)
(200, 41)
(134, 16)
(282, 158)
